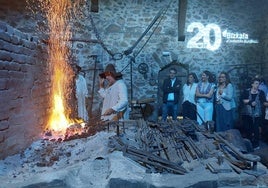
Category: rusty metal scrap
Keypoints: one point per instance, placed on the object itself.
(146, 158)
(233, 155)
(165, 146)
(214, 168)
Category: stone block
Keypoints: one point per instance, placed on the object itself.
(15, 40)
(5, 56)
(12, 66)
(15, 84)
(22, 59)
(17, 120)
(29, 44)
(11, 102)
(4, 125)
(16, 75)
(7, 46)
(4, 115)
(3, 73)
(3, 26)
(26, 51)
(5, 36)
(25, 68)
(3, 84)
(2, 137)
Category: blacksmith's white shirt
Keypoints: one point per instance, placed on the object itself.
(115, 97)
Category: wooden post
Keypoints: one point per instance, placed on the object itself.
(181, 19)
(94, 6)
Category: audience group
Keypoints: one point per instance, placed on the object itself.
(209, 100)
(213, 100)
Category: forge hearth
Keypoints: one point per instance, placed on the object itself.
(74, 131)
(174, 154)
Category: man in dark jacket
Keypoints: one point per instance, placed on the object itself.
(171, 90)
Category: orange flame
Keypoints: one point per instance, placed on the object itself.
(62, 75)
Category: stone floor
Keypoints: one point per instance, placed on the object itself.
(90, 163)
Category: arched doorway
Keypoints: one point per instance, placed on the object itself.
(182, 72)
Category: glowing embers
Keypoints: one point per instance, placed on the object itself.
(74, 131)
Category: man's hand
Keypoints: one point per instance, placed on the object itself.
(102, 82)
(109, 112)
(253, 103)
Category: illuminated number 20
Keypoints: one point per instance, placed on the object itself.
(202, 39)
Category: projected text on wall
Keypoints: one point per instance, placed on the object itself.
(211, 37)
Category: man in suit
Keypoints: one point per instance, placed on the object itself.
(171, 91)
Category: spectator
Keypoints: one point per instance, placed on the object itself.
(262, 85)
(115, 95)
(225, 103)
(265, 121)
(253, 100)
(263, 127)
(204, 94)
(171, 91)
(189, 103)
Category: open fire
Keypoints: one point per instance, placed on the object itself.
(58, 14)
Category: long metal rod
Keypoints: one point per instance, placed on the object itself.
(130, 50)
(93, 85)
(137, 53)
(132, 60)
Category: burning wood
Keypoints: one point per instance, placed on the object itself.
(74, 131)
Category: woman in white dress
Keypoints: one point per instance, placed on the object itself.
(189, 102)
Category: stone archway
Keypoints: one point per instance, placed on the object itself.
(182, 72)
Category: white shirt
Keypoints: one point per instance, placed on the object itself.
(171, 95)
(81, 94)
(189, 93)
(115, 97)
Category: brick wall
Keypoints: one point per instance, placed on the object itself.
(23, 90)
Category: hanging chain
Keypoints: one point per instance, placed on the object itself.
(115, 56)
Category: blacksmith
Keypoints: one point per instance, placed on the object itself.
(115, 95)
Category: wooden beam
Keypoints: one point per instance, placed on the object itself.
(181, 19)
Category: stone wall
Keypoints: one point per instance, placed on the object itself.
(265, 50)
(23, 90)
(120, 25)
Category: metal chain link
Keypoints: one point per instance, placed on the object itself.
(115, 56)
